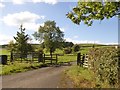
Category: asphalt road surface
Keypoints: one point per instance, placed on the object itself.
(48, 77)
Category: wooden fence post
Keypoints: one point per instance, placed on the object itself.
(56, 58)
(11, 56)
(40, 57)
(44, 59)
(51, 58)
(78, 58)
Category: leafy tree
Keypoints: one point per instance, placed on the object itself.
(67, 44)
(51, 35)
(89, 11)
(76, 48)
(22, 42)
(11, 46)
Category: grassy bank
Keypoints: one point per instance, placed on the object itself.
(80, 77)
(19, 67)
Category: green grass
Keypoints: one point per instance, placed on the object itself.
(4, 52)
(81, 77)
(19, 67)
(67, 58)
(84, 50)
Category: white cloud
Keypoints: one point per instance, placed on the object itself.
(91, 42)
(33, 41)
(111, 43)
(18, 1)
(46, 1)
(75, 37)
(80, 41)
(62, 29)
(34, 1)
(26, 18)
(5, 39)
(2, 5)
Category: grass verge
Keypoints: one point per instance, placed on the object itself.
(80, 77)
(19, 67)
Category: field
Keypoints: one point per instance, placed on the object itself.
(21, 67)
(4, 51)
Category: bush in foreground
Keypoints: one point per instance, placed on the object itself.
(104, 63)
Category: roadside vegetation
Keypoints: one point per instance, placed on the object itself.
(80, 77)
(19, 67)
(101, 73)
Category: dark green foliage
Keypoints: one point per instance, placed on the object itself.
(104, 63)
(67, 44)
(22, 45)
(51, 35)
(68, 50)
(76, 48)
(89, 11)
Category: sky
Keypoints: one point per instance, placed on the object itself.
(34, 13)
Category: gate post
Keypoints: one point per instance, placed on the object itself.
(44, 59)
(11, 56)
(40, 57)
(83, 59)
(78, 58)
(56, 58)
(3, 59)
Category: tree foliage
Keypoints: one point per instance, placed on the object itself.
(89, 11)
(51, 35)
(22, 42)
(67, 44)
(76, 48)
(11, 46)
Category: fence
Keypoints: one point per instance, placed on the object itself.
(33, 56)
(51, 58)
(82, 60)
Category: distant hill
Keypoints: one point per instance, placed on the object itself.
(82, 45)
(5, 45)
(90, 45)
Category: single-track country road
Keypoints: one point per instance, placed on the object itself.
(48, 77)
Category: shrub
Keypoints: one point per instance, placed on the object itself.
(104, 63)
(67, 50)
(76, 48)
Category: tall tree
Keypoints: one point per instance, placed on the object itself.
(11, 47)
(51, 35)
(22, 42)
(89, 11)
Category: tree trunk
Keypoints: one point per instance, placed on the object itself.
(51, 53)
(11, 56)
